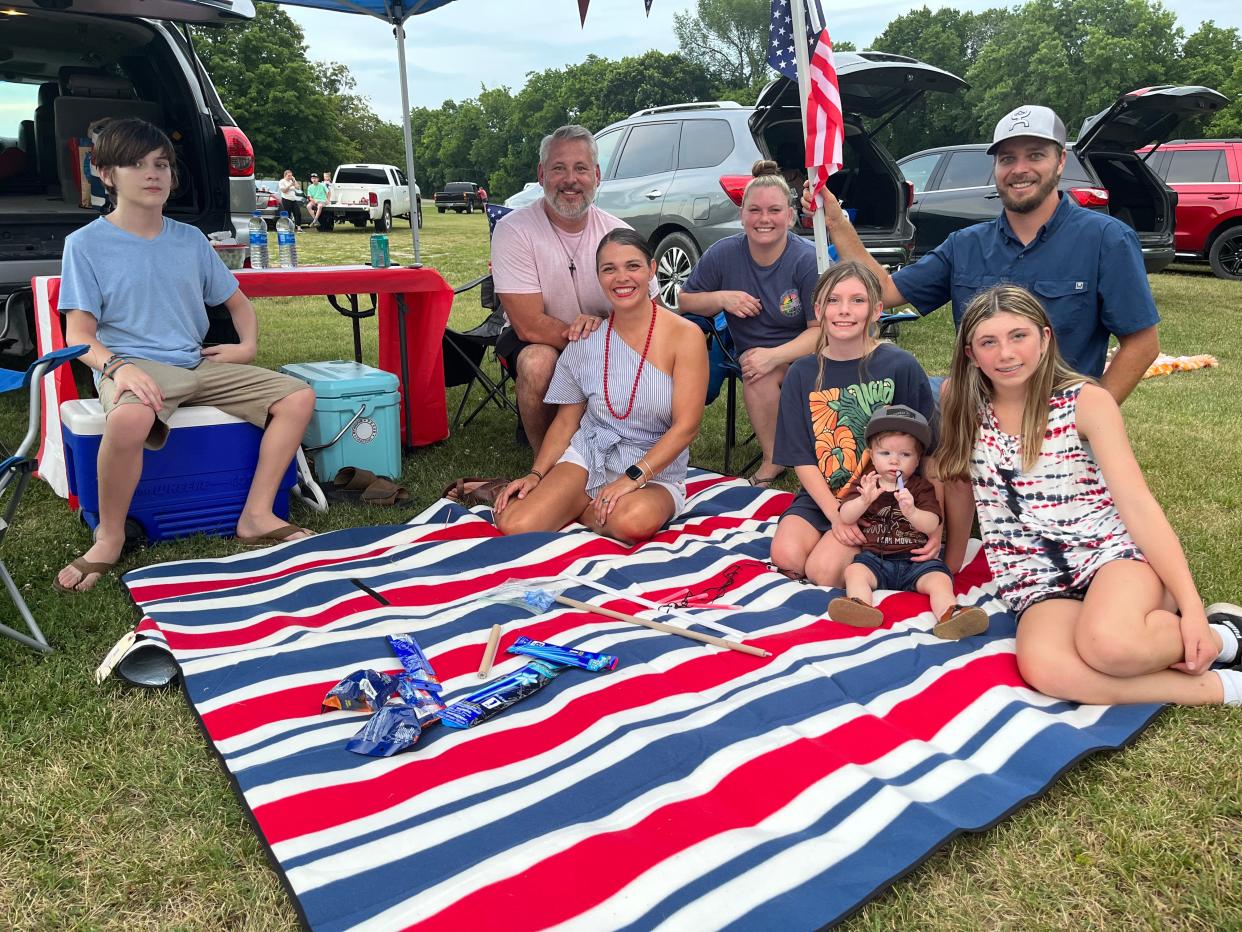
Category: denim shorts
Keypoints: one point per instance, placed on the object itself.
(805, 508)
(897, 571)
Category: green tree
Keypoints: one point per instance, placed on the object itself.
(1212, 57)
(948, 39)
(274, 92)
(1075, 56)
(727, 39)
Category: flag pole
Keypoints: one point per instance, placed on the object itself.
(399, 34)
(802, 56)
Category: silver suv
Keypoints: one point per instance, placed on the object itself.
(120, 58)
(676, 174)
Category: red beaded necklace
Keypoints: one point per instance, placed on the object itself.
(642, 361)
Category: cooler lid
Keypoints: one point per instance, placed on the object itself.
(339, 378)
(84, 417)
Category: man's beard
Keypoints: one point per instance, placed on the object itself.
(566, 210)
(1033, 202)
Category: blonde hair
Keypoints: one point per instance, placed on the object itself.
(831, 277)
(968, 389)
(767, 174)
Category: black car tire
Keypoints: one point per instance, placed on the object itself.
(1225, 255)
(441, 209)
(384, 222)
(326, 223)
(675, 256)
(420, 216)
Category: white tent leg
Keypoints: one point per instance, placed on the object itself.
(399, 33)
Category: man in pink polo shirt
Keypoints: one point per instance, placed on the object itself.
(543, 267)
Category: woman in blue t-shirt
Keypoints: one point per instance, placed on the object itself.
(764, 280)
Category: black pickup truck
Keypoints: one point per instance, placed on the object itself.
(461, 196)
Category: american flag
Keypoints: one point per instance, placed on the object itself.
(825, 126)
(691, 788)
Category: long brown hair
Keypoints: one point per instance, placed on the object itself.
(831, 277)
(969, 390)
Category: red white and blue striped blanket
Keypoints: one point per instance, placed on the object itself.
(691, 788)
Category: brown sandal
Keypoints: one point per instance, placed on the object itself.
(281, 535)
(855, 612)
(385, 492)
(485, 493)
(961, 622)
(86, 568)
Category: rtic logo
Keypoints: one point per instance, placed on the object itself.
(1020, 117)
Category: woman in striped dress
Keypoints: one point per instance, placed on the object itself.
(631, 399)
(1078, 547)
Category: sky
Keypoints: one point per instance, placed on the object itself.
(452, 52)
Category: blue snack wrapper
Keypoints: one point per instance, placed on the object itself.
(393, 728)
(417, 666)
(567, 656)
(362, 690)
(495, 697)
(412, 693)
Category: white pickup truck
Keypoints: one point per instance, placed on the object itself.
(374, 193)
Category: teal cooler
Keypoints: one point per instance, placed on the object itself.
(356, 421)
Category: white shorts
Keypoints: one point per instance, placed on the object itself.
(676, 490)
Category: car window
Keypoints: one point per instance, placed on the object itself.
(1074, 170)
(607, 145)
(969, 169)
(1189, 166)
(400, 177)
(17, 103)
(361, 176)
(918, 170)
(649, 150)
(704, 143)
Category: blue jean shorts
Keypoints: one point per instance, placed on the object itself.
(897, 571)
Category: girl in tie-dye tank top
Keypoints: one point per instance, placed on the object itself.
(1077, 545)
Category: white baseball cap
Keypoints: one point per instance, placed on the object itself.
(1028, 120)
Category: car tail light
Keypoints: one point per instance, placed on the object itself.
(372, 199)
(240, 151)
(273, 200)
(735, 186)
(909, 194)
(1090, 197)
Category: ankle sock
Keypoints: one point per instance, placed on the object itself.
(1231, 683)
(1229, 643)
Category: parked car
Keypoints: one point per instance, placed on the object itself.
(1207, 176)
(459, 196)
(530, 193)
(954, 187)
(267, 199)
(365, 193)
(121, 58)
(676, 174)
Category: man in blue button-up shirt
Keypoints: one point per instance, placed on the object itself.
(1085, 267)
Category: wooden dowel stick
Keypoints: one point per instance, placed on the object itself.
(489, 652)
(660, 626)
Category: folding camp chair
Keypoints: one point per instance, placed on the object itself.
(724, 372)
(15, 476)
(464, 353)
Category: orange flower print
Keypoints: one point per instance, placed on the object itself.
(823, 411)
(837, 454)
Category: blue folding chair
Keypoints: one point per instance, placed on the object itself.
(15, 476)
(724, 371)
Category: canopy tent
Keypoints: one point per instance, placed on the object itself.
(396, 13)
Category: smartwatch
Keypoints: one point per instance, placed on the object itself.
(634, 472)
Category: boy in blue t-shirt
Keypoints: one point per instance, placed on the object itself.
(134, 288)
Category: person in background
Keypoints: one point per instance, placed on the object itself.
(316, 197)
(291, 197)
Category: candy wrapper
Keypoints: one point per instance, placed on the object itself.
(393, 728)
(417, 666)
(497, 696)
(361, 691)
(566, 656)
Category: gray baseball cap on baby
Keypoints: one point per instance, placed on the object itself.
(1029, 120)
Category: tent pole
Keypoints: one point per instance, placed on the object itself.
(802, 55)
(399, 33)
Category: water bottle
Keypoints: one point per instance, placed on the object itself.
(258, 242)
(286, 241)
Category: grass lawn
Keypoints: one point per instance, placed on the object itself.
(113, 812)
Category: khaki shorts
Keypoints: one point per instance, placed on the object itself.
(246, 392)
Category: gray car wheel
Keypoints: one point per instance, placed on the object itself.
(1225, 255)
(675, 256)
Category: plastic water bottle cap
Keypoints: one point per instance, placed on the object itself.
(283, 213)
(256, 214)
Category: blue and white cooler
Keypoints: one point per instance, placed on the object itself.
(356, 421)
(195, 484)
